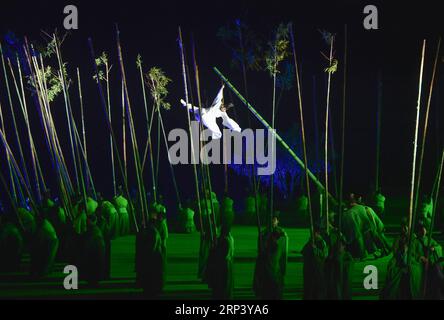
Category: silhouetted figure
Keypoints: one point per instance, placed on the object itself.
(122, 222)
(271, 263)
(428, 254)
(378, 202)
(149, 259)
(11, 244)
(315, 253)
(220, 270)
(43, 248)
(338, 267)
(93, 254)
(403, 279)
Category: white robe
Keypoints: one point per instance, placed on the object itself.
(209, 116)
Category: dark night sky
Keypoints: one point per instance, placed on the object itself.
(151, 30)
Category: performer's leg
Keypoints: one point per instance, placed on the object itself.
(230, 123)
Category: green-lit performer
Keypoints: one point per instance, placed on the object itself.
(149, 257)
(315, 253)
(271, 263)
(11, 242)
(220, 269)
(337, 266)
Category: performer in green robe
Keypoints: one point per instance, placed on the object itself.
(11, 243)
(43, 248)
(220, 269)
(122, 221)
(250, 215)
(271, 263)
(428, 254)
(378, 202)
(186, 218)
(207, 234)
(149, 258)
(338, 267)
(315, 254)
(404, 276)
(93, 254)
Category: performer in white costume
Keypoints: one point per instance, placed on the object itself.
(209, 115)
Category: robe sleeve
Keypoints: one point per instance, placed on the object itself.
(218, 100)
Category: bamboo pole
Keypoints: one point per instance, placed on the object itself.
(196, 182)
(327, 117)
(426, 126)
(108, 101)
(14, 122)
(316, 123)
(22, 101)
(344, 107)
(205, 171)
(47, 125)
(11, 199)
(301, 118)
(82, 116)
(55, 140)
(253, 167)
(136, 155)
(173, 176)
(277, 136)
(125, 159)
(110, 128)
(18, 172)
(11, 177)
(68, 110)
(34, 153)
(148, 128)
(39, 104)
(412, 216)
(273, 149)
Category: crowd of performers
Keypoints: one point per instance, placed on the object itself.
(85, 240)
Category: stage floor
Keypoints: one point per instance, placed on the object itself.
(181, 280)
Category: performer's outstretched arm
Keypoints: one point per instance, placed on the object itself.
(189, 106)
(218, 100)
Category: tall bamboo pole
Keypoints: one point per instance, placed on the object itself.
(42, 104)
(196, 182)
(415, 147)
(68, 110)
(204, 169)
(173, 176)
(137, 162)
(327, 116)
(125, 159)
(108, 100)
(273, 150)
(148, 128)
(301, 118)
(82, 116)
(11, 177)
(344, 106)
(110, 128)
(22, 103)
(19, 144)
(426, 126)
